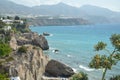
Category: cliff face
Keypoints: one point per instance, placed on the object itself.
(27, 66)
(33, 39)
(31, 64)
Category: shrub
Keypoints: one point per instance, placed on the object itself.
(4, 49)
(79, 76)
(4, 77)
(115, 77)
(22, 49)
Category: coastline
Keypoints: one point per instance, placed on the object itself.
(75, 41)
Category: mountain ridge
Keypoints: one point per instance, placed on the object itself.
(93, 13)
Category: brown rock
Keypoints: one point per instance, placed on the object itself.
(57, 69)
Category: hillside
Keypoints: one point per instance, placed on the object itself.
(58, 21)
(8, 7)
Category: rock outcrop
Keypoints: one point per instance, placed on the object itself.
(41, 42)
(33, 39)
(57, 69)
(27, 66)
(32, 64)
(13, 43)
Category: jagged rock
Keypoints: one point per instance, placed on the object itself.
(41, 42)
(30, 35)
(23, 42)
(57, 69)
(33, 39)
(13, 72)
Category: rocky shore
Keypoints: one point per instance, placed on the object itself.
(32, 65)
(21, 54)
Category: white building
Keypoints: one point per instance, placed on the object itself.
(7, 21)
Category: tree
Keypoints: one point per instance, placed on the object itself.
(17, 18)
(103, 61)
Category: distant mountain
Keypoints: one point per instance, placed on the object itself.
(8, 7)
(98, 14)
(58, 9)
(92, 13)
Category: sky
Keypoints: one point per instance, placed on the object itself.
(110, 4)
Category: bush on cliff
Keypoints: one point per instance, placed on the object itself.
(79, 76)
(22, 49)
(4, 49)
(3, 77)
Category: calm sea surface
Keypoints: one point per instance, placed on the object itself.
(75, 45)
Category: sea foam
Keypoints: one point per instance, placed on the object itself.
(85, 68)
(69, 56)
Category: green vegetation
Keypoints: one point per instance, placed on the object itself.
(22, 49)
(18, 26)
(115, 77)
(4, 49)
(106, 61)
(4, 77)
(2, 24)
(79, 76)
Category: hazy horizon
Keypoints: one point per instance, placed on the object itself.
(110, 4)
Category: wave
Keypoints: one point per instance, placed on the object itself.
(51, 34)
(69, 56)
(51, 48)
(86, 68)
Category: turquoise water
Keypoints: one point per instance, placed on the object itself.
(75, 45)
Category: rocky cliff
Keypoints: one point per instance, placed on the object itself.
(31, 64)
(33, 39)
(26, 66)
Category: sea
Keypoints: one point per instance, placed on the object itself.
(75, 45)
